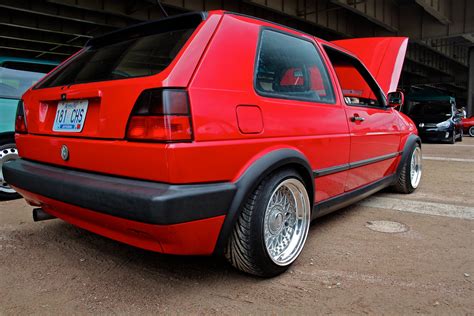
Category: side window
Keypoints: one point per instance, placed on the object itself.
(290, 67)
(358, 86)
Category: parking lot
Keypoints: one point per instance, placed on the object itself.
(423, 264)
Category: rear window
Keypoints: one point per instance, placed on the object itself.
(138, 57)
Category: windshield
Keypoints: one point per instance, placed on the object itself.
(431, 109)
(143, 56)
(17, 77)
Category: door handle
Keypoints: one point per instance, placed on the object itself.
(357, 118)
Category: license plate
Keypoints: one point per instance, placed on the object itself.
(70, 116)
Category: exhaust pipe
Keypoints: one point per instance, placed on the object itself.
(40, 215)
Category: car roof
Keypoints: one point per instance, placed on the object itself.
(286, 28)
(136, 29)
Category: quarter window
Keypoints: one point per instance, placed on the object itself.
(291, 68)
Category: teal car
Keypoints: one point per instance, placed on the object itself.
(16, 76)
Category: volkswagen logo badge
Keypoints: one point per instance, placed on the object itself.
(64, 152)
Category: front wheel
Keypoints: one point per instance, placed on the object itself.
(471, 131)
(410, 175)
(8, 152)
(272, 227)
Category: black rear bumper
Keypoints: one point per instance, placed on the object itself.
(137, 200)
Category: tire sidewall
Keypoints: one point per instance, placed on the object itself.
(257, 222)
(471, 131)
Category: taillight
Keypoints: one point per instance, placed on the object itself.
(161, 115)
(20, 120)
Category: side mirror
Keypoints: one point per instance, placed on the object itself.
(395, 99)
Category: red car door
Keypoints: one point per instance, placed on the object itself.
(374, 127)
(375, 142)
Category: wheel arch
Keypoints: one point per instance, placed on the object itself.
(251, 178)
(411, 141)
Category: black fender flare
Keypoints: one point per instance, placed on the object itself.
(410, 143)
(251, 178)
(7, 137)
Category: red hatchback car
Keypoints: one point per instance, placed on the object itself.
(214, 133)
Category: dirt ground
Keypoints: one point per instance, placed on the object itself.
(52, 267)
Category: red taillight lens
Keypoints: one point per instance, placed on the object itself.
(161, 115)
(20, 120)
(163, 128)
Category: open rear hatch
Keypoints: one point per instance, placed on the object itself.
(383, 56)
(92, 94)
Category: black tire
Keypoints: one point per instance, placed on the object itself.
(471, 131)
(7, 144)
(246, 249)
(403, 183)
(9, 196)
(453, 138)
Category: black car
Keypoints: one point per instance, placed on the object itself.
(437, 121)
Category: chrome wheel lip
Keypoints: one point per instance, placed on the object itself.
(6, 154)
(415, 167)
(471, 131)
(278, 225)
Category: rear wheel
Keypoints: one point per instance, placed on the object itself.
(410, 175)
(453, 138)
(8, 152)
(471, 131)
(272, 227)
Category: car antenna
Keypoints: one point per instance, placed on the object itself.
(158, 2)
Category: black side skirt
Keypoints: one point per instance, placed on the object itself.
(348, 198)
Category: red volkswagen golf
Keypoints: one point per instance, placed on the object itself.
(214, 133)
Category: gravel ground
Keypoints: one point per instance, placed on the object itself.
(53, 267)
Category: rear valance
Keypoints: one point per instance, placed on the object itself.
(182, 21)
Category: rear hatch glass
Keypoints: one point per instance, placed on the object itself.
(132, 58)
(92, 94)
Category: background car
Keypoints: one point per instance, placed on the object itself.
(16, 76)
(468, 126)
(436, 118)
